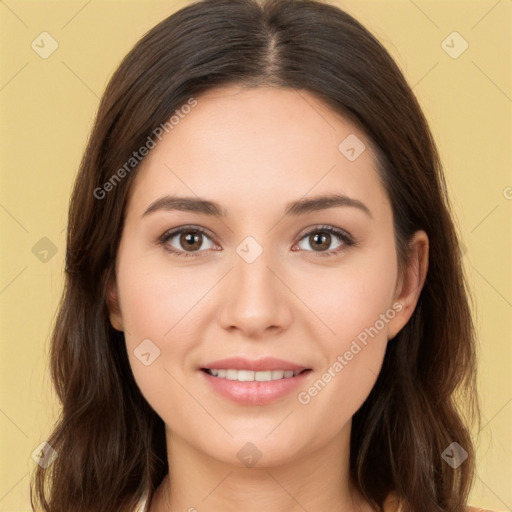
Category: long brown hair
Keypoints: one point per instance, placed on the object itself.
(110, 442)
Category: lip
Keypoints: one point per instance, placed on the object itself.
(265, 363)
(255, 392)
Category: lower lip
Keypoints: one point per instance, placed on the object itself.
(255, 392)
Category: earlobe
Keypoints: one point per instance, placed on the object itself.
(411, 283)
(114, 310)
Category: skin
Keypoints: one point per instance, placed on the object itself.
(253, 151)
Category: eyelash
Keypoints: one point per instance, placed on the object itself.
(345, 238)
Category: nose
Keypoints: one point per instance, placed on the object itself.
(257, 300)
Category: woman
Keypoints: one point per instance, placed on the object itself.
(264, 300)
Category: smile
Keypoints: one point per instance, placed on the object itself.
(250, 387)
(250, 375)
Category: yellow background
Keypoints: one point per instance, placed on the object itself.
(47, 107)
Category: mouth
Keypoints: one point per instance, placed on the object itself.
(252, 376)
(255, 387)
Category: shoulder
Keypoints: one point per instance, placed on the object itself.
(478, 509)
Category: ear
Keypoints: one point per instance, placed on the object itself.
(410, 283)
(114, 310)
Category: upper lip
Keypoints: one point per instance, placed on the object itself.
(265, 363)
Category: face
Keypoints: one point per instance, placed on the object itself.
(316, 287)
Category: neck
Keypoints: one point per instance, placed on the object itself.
(316, 480)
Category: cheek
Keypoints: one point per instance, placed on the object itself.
(156, 299)
(338, 392)
(156, 304)
(355, 302)
(353, 356)
(352, 297)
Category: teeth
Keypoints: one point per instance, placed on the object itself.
(250, 376)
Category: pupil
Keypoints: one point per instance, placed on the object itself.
(191, 240)
(322, 239)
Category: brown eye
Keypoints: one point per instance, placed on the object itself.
(186, 241)
(321, 239)
(191, 240)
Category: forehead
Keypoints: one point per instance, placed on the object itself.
(246, 147)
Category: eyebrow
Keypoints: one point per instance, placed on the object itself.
(294, 208)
